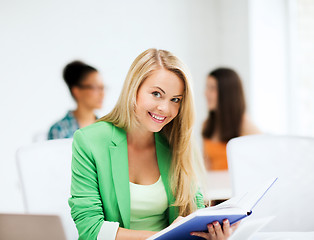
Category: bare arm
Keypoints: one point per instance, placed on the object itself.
(127, 234)
(248, 127)
(123, 233)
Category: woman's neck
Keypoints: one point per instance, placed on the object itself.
(216, 136)
(84, 116)
(140, 139)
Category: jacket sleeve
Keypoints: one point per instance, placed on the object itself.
(85, 201)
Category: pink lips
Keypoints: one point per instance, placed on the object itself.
(155, 119)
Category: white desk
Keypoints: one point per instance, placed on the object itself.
(249, 229)
(218, 185)
(283, 236)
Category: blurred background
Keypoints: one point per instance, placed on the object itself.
(268, 42)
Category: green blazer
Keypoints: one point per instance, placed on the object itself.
(100, 178)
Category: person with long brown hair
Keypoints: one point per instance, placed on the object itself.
(227, 116)
(134, 172)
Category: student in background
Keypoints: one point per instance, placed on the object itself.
(226, 119)
(87, 89)
(134, 171)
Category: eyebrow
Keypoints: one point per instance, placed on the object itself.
(165, 92)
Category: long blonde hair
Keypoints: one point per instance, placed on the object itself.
(178, 132)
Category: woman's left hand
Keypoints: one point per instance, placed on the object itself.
(215, 232)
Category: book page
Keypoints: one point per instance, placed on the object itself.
(247, 201)
(233, 202)
(251, 198)
(248, 227)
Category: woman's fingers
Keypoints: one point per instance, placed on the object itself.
(235, 226)
(201, 234)
(218, 230)
(211, 231)
(226, 228)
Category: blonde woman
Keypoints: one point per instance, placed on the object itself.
(133, 172)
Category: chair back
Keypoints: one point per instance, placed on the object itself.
(254, 159)
(45, 173)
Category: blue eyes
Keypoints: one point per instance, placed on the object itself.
(176, 100)
(158, 95)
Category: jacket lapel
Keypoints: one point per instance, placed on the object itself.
(120, 173)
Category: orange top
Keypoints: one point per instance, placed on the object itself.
(215, 155)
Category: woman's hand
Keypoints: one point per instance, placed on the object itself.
(215, 232)
(177, 220)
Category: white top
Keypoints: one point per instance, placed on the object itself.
(148, 206)
(154, 200)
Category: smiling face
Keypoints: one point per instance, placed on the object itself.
(158, 100)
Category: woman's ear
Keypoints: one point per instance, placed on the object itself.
(75, 92)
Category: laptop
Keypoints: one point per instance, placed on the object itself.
(31, 227)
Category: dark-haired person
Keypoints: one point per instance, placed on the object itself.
(87, 89)
(227, 118)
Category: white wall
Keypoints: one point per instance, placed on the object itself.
(232, 37)
(301, 66)
(269, 91)
(39, 37)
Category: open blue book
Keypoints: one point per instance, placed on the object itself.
(234, 210)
